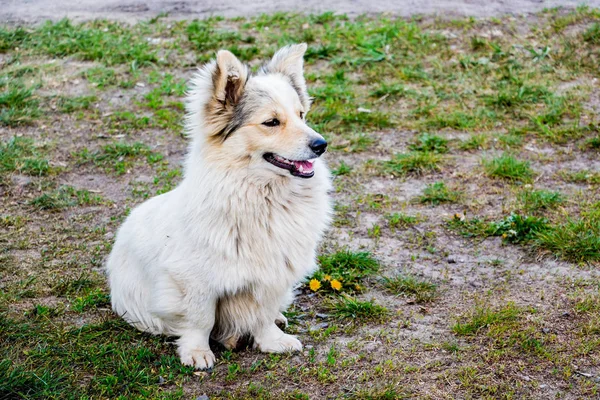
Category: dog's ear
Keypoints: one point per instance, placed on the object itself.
(229, 78)
(289, 61)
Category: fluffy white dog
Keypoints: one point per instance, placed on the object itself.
(219, 255)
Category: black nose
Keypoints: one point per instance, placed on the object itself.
(318, 146)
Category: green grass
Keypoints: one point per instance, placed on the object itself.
(124, 362)
(102, 41)
(421, 291)
(19, 104)
(576, 240)
(536, 200)
(342, 169)
(349, 308)
(428, 142)
(509, 168)
(400, 220)
(72, 104)
(478, 141)
(65, 196)
(437, 193)
(119, 156)
(515, 228)
(349, 268)
(416, 162)
(19, 154)
(486, 317)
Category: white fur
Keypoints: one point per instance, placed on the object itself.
(239, 238)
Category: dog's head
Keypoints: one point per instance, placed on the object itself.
(255, 121)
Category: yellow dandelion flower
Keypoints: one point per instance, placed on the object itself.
(314, 285)
(357, 287)
(327, 278)
(336, 285)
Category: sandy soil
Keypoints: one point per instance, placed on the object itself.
(33, 11)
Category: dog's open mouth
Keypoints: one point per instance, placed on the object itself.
(301, 168)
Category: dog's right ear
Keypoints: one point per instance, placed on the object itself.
(229, 79)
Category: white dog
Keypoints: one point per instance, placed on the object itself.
(219, 255)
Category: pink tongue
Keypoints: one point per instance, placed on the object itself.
(306, 165)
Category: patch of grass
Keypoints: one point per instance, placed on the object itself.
(19, 104)
(416, 162)
(485, 317)
(430, 143)
(515, 228)
(71, 104)
(593, 143)
(536, 200)
(66, 196)
(346, 307)
(592, 34)
(342, 169)
(19, 154)
(509, 168)
(400, 220)
(119, 156)
(583, 176)
(347, 268)
(422, 291)
(437, 193)
(576, 240)
(479, 141)
(107, 42)
(54, 361)
(94, 299)
(101, 77)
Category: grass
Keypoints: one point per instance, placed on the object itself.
(437, 193)
(349, 308)
(19, 104)
(537, 200)
(416, 162)
(509, 168)
(576, 240)
(421, 291)
(485, 318)
(19, 154)
(413, 98)
(119, 156)
(400, 220)
(429, 143)
(66, 196)
(515, 228)
(349, 269)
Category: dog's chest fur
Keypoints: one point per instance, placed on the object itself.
(261, 234)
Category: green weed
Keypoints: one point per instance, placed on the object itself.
(422, 291)
(437, 193)
(509, 168)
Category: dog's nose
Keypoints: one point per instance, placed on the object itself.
(318, 146)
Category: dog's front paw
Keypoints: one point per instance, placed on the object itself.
(197, 358)
(285, 343)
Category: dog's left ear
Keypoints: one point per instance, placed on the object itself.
(289, 61)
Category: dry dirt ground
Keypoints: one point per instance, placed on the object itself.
(32, 11)
(467, 190)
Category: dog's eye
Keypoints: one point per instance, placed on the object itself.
(271, 122)
(301, 115)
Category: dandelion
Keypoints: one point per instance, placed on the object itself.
(314, 285)
(357, 287)
(327, 278)
(336, 285)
